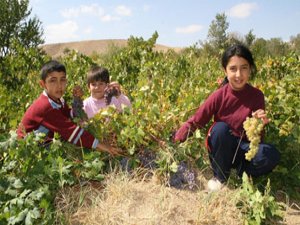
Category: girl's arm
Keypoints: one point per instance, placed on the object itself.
(202, 116)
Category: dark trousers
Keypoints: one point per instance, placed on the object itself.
(223, 146)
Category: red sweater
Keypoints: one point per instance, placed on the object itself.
(47, 116)
(225, 105)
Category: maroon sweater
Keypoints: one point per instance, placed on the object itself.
(47, 116)
(225, 105)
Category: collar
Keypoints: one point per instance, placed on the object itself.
(54, 104)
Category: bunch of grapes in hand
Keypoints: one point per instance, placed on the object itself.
(253, 127)
(112, 90)
(77, 104)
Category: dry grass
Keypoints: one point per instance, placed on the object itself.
(139, 200)
(124, 199)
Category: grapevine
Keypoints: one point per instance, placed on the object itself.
(253, 127)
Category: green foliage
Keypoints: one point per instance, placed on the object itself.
(217, 34)
(19, 38)
(126, 65)
(283, 104)
(249, 38)
(31, 174)
(258, 208)
(277, 47)
(20, 59)
(218, 39)
(76, 74)
(24, 185)
(19, 75)
(17, 27)
(165, 89)
(295, 43)
(119, 129)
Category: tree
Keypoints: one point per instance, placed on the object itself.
(217, 36)
(234, 38)
(295, 43)
(20, 36)
(277, 47)
(259, 48)
(249, 38)
(17, 28)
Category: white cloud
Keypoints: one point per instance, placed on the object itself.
(96, 11)
(123, 10)
(109, 18)
(63, 32)
(70, 13)
(189, 29)
(92, 10)
(242, 10)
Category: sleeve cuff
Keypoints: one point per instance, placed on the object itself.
(95, 143)
(71, 113)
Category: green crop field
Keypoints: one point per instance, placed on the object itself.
(165, 89)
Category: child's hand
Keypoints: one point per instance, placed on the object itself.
(113, 89)
(77, 91)
(116, 86)
(261, 114)
(109, 149)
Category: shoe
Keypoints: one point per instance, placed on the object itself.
(214, 185)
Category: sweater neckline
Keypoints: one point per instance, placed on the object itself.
(240, 92)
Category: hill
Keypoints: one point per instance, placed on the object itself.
(93, 47)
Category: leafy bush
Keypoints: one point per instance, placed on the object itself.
(165, 89)
(258, 208)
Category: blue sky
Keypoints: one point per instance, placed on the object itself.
(178, 23)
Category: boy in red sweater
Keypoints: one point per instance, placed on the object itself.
(49, 113)
(230, 105)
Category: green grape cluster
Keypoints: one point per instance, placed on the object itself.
(253, 127)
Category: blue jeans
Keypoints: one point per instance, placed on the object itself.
(223, 146)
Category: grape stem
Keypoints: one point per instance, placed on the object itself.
(237, 148)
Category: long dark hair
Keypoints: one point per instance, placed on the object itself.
(240, 51)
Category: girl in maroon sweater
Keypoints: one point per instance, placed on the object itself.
(229, 106)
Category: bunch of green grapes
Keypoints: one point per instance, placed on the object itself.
(253, 127)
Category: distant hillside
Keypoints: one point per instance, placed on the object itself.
(92, 47)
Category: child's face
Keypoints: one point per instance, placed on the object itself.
(55, 84)
(238, 72)
(97, 89)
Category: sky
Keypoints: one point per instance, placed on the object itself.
(179, 23)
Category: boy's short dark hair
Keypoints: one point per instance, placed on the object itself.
(50, 67)
(98, 73)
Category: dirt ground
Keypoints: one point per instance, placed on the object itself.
(124, 200)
